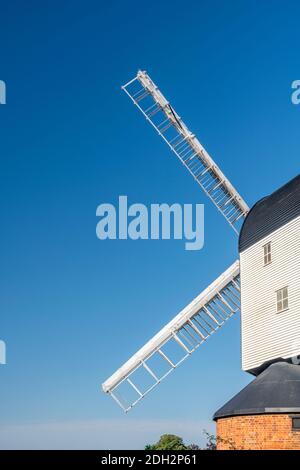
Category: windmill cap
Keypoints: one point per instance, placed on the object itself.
(275, 390)
(271, 213)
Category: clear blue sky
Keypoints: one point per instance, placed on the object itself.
(73, 308)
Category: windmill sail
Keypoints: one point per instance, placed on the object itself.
(176, 341)
(158, 111)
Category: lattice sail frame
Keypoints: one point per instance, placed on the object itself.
(187, 331)
(158, 111)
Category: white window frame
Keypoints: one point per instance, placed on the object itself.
(267, 253)
(282, 299)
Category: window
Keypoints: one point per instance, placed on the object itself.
(296, 424)
(267, 254)
(282, 299)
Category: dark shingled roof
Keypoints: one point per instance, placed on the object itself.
(271, 213)
(276, 390)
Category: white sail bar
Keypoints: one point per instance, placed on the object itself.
(176, 341)
(158, 111)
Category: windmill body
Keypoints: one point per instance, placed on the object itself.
(269, 246)
(263, 283)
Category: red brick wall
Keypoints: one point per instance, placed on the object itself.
(257, 432)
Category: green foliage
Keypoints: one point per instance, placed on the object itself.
(168, 442)
(173, 442)
(211, 441)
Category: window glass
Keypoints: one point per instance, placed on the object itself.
(296, 424)
(282, 299)
(267, 253)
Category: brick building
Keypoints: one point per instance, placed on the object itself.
(265, 415)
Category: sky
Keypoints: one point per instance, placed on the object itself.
(73, 307)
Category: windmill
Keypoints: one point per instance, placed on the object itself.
(265, 294)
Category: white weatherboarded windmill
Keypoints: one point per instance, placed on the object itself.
(266, 292)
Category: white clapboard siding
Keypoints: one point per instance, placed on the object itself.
(266, 334)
